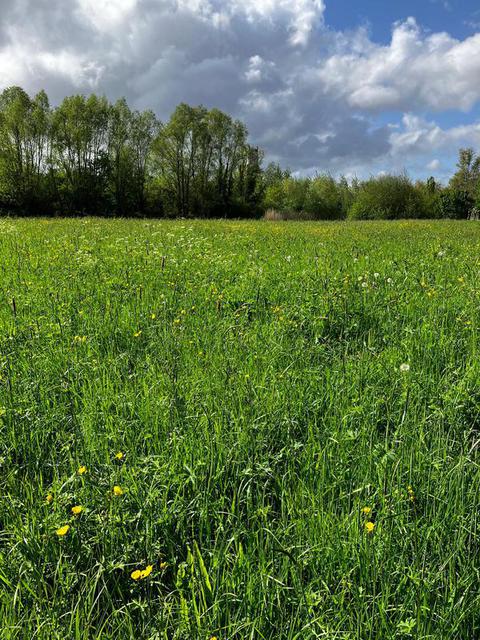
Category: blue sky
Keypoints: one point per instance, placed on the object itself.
(349, 87)
(460, 18)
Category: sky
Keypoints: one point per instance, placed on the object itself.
(353, 87)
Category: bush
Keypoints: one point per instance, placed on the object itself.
(387, 197)
(456, 203)
(323, 200)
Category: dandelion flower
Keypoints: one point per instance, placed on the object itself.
(369, 527)
(119, 455)
(77, 510)
(49, 498)
(82, 470)
(117, 491)
(367, 510)
(63, 530)
(404, 368)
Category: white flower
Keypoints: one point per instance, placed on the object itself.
(440, 254)
(364, 285)
(389, 280)
(376, 275)
(360, 278)
(404, 368)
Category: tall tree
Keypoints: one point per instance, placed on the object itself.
(24, 147)
(80, 145)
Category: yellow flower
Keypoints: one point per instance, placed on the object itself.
(367, 510)
(140, 574)
(119, 455)
(153, 316)
(82, 470)
(117, 490)
(369, 527)
(163, 565)
(411, 494)
(137, 333)
(49, 498)
(77, 510)
(147, 571)
(63, 530)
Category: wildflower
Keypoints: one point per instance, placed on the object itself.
(369, 527)
(389, 280)
(117, 491)
(411, 494)
(140, 574)
(137, 333)
(153, 316)
(80, 339)
(147, 571)
(376, 275)
(163, 565)
(364, 285)
(63, 530)
(367, 510)
(404, 368)
(77, 510)
(49, 498)
(82, 470)
(119, 455)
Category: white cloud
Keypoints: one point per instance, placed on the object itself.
(432, 71)
(106, 14)
(309, 95)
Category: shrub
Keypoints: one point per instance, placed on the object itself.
(323, 199)
(387, 197)
(456, 203)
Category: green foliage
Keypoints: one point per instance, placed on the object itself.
(387, 197)
(323, 199)
(467, 177)
(251, 375)
(455, 203)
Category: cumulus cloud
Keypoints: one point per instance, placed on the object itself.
(415, 70)
(314, 98)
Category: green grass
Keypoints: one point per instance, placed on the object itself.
(250, 374)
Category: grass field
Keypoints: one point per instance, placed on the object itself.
(273, 430)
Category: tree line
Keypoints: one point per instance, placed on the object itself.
(382, 197)
(88, 156)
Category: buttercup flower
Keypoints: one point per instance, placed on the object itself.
(119, 455)
(140, 574)
(117, 491)
(82, 470)
(369, 527)
(63, 530)
(77, 510)
(49, 498)
(367, 510)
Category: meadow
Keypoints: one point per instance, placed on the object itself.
(239, 430)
